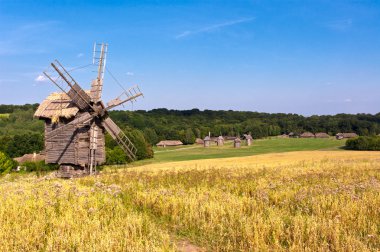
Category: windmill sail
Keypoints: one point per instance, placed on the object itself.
(85, 118)
(118, 135)
(72, 88)
(97, 84)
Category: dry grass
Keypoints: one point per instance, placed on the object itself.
(308, 201)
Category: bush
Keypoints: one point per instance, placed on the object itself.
(6, 163)
(115, 156)
(364, 143)
(39, 166)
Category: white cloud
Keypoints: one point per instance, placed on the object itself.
(40, 78)
(130, 73)
(213, 27)
(347, 100)
(80, 55)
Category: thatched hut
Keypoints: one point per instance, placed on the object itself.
(35, 157)
(199, 141)
(293, 135)
(237, 143)
(206, 141)
(341, 136)
(165, 143)
(321, 135)
(307, 135)
(248, 139)
(220, 141)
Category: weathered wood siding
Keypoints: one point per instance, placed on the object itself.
(72, 145)
(61, 148)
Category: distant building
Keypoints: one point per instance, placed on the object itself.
(341, 136)
(283, 136)
(206, 141)
(227, 138)
(294, 135)
(307, 135)
(30, 158)
(165, 143)
(248, 139)
(220, 141)
(237, 143)
(321, 135)
(199, 141)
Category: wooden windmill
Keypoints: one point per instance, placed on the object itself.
(76, 121)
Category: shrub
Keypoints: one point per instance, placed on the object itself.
(39, 166)
(6, 163)
(364, 143)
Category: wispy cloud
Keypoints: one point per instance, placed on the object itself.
(213, 27)
(40, 78)
(348, 100)
(130, 73)
(340, 25)
(80, 55)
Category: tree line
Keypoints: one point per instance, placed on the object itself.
(20, 133)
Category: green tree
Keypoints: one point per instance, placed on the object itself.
(115, 156)
(150, 136)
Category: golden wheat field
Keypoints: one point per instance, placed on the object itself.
(298, 201)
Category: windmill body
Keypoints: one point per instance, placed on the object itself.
(76, 122)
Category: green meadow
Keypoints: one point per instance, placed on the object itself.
(261, 146)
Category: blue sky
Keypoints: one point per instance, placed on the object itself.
(307, 57)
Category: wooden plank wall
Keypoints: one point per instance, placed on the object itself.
(61, 148)
(72, 146)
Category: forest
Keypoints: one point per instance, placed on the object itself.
(20, 133)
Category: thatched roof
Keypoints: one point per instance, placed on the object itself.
(237, 140)
(199, 141)
(322, 135)
(169, 143)
(346, 135)
(207, 138)
(56, 105)
(30, 158)
(307, 134)
(220, 138)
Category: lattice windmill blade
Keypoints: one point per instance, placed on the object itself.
(93, 146)
(118, 135)
(129, 95)
(100, 55)
(69, 86)
(83, 119)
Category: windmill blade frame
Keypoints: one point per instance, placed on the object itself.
(97, 84)
(122, 140)
(83, 119)
(76, 93)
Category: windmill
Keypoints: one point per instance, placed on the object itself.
(76, 120)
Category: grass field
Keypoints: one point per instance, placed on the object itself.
(262, 146)
(291, 201)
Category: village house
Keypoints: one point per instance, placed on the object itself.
(321, 135)
(237, 143)
(341, 136)
(248, 139)
(220, 141)
(165, 143)
(307, 135)
(206, 141)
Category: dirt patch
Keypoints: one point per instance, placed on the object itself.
(186, 246)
